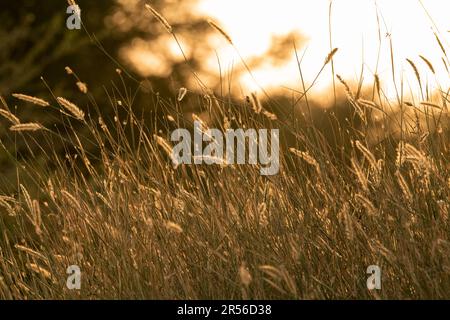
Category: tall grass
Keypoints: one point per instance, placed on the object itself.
(140, 228)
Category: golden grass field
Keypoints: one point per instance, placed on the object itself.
(370, 189)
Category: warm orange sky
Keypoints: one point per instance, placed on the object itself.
(252, 23)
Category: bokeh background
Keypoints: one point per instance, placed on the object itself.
(36, 42)
(364, 176)
(272, 37)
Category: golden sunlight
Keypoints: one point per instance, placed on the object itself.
(361, 29)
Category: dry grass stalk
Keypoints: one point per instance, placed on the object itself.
(5, 204)
(30, 99)
(366, 203)
(174, 227)
(82, 87)
(220, 30)
(367, 154)
(160, 18)
(167, 148)
(36, 217)
(269, 115)
(377, 84)
(203, 126)
(31, 252)
(360, 174)
(306, 157)
(71, 199)
(3, 101)
(256, 103)
(403, 185)
(244, 275)
(9, 116)
(346, 86)
(428, 63)
(440, 44)
(22, 127)
(27, 197)
(69, 71)
(72, 108)
(39, 270)
(430, 104)
(330, 56)
(370, 104)
(181, 94)
(416, 71)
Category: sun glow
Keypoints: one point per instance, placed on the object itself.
(361, 29)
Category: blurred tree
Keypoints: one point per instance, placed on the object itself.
(37, 43)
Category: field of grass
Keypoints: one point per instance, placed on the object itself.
(139, 228)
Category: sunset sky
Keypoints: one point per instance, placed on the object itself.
(252, 23)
